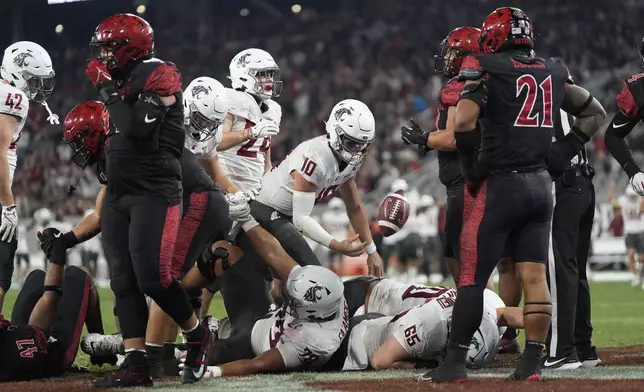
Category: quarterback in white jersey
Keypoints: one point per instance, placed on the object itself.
(253, 118)
(27, 74)
(302, 334)
(312, 172)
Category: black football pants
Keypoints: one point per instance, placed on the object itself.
(572, 225)
(139, 235)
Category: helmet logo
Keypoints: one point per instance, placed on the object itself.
(244, 60)
(21, 60)
(341, 113)
(475, 343)
(197, 90)
(314, 294)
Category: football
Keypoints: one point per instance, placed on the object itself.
(393, 213)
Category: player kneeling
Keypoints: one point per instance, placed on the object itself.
(42, 338)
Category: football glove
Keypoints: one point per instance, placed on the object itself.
(412, 134)
(264, 128)
(9, 226)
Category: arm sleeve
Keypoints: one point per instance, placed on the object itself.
(619, 127)
(303, 203)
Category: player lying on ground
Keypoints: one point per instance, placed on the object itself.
(303, 333)
(26, 74)
(400, 301)
(43, 336)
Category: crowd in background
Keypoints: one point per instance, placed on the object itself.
(380, 52)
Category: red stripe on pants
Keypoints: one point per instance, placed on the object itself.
(72, 350)
(472, 216)
(189, 225)
(168, 241)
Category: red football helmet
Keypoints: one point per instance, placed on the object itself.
(121, 40)
(506, 28)
(85, 129)
(459, 43)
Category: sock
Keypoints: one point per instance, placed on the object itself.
(168, 350)
(155, 352)
(136, 356)
(456, 353)
(510, 333)
(197, 334)
(533, 350)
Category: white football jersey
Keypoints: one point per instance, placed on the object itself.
(632, 213)
(244, 163)
(303, 344)
(207, 148)
(15, 103)
(336, 223)
(316, 162)
(421, 330)
(390, 297)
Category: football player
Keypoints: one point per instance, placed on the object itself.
(27, 74)
(43, 336)
(630, 102)
(311, 173)
(458, 44)
(510, 180)
(633, 212)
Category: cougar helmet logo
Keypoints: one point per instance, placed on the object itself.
(22, 59)
(341, 113)
(475, 343)
(314, 294)
(197, 90)
(244, 60)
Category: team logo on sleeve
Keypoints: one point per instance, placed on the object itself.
(314, 294)
(22, 59)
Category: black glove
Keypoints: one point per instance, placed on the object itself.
(51, 234)
(52, 243)
(412, 134)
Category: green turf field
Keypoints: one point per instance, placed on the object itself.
(618, 314)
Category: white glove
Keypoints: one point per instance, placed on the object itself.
(238, 208)
(252, 194)
(637, 183)
(264, 128)
(9, 223)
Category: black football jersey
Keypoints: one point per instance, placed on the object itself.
(149, 166)
(24, 353)
(524, 95)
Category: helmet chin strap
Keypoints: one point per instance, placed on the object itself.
(53, 118)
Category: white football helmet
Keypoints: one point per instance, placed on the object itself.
(351, 129)
(43, 216)
(27, 66)
(254, 71)
(205, 105)
(485, 342)
(313, 293)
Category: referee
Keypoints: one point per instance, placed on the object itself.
(569, 343)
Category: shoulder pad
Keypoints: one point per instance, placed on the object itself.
(243, 105)
(471, 69)
(13, 101)
(451, 91)
(630, 100)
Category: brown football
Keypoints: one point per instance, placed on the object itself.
(393, 213)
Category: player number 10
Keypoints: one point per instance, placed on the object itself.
(526, 116)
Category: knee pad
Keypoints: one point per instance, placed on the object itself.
(206, 262)
(123, 285)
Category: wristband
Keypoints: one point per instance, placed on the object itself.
(70, 239)
(213, 372)
(371, 248)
